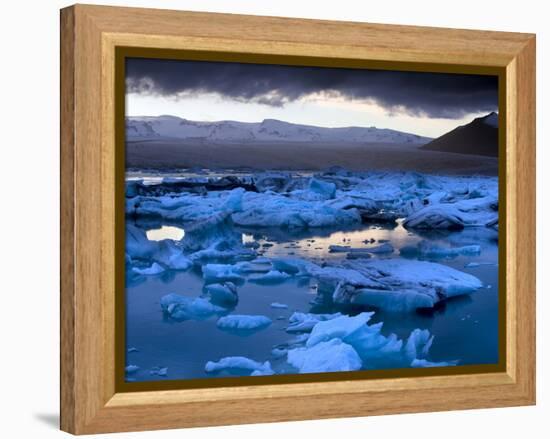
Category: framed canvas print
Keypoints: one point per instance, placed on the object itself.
(270, 219)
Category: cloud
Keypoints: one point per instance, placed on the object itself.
(414, 93)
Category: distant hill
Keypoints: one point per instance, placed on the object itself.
(479, 137)
(269, 130)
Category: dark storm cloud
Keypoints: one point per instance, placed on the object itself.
(426, 94)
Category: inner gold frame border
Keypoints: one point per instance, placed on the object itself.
(95, 41)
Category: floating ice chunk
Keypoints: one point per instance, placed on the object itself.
(279, 352)
(304, 322)
(382, 248)
(437, 280)
(404, 300)
(154, 269)
(185, 308)
(159, 371)
(137, 244)
(246, 267)
(243, 322)
(299, 267)
(278, 305)
(464, 213)
(271, 277)
(339, 327)
(418, 344)
(425, 363)
(370, 344)
(223, 294)
(237, 364)
(221, 272)
(429, 250)
(233, 201)
(442, 216)
(172, 256)
(323, 188)
(330, 356)
(131, 368)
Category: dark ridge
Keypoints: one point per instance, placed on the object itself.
(478, 137)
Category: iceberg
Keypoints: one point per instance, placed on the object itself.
(137, 244)
(185, 308)
(172, 256)
(339, 327)
(304, 322)
(222, 294)
(455, 216)
(418, 345)
(324, 188)
(330, 356)
(236, 364)
(243, 322)
(429, 250)
(271, 277)
(213, 273)
(404, 300)
(419, 284)
(154, 269)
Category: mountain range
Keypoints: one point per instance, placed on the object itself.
(269, 130)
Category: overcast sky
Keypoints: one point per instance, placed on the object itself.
(428, 104)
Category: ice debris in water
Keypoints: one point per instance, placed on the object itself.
(237, 364)
(131, 368)
(243, 322)
(278, 305)
(185, 308)
(159, 371)
(149, 271)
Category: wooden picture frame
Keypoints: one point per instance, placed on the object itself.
(91, 402)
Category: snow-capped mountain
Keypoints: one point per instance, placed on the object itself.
(269, 130)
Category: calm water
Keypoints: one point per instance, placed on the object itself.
(465, 329)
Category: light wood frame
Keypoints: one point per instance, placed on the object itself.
(89, 37)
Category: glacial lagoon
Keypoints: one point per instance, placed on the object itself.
(409, 259)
